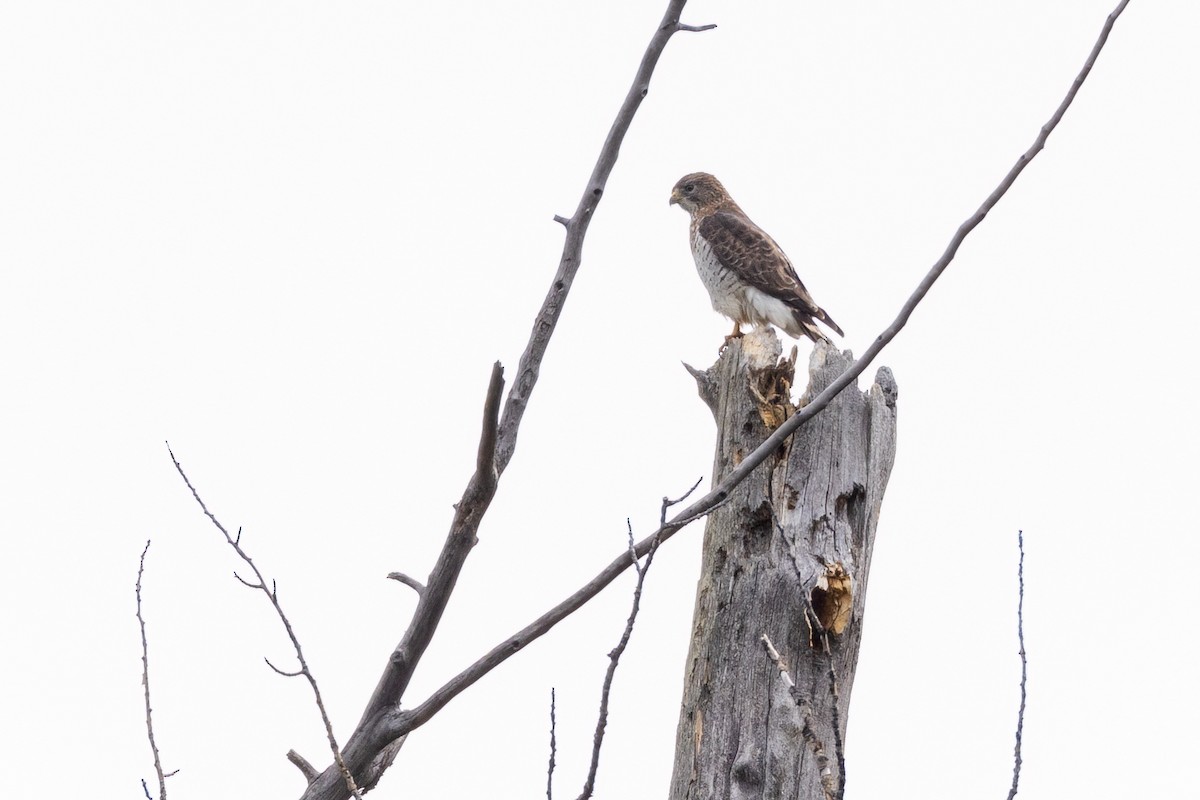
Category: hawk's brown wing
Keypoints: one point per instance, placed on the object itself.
(752, 255)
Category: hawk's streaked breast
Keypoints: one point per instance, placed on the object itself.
(723, 285)
(732, 297)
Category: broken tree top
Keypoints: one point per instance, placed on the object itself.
(787, 556)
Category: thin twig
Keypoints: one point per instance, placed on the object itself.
(283, 672)
(1012, 792)
(780, 664)
(682, 521)
(273, 597)
(242, 580)
(805, 709)
(614, 655)
(401, 722)
(839, 749)
(553, 751)
(408, 581)
(667, 503)
(158, 770)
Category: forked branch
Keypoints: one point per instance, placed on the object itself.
(272, 595)
(614, 659)
(374, 730)
(435, 594)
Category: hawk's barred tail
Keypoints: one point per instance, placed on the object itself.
(829, 322)
(810, 329)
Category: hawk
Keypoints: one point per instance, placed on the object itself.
(748, 277)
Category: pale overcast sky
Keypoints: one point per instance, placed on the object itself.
(291, 238)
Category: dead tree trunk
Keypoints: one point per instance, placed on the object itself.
(788, 557)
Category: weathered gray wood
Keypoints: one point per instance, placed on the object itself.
(786, 531)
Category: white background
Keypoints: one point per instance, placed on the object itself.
(291, 238)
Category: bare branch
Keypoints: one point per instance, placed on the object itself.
(553, 751)
(376, 728)
(806, 730)
(410, 582)
(667, 503)
(283, 672)
(302, 764)
(576, 226)
(679, 26)
(242, 580)
(614, 657)
(681, 521)
(839, 749)
(436, 593)
(401, 722)
(158, 770)
(1012, 792)
(273, 596)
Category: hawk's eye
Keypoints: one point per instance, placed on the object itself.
(689, 188)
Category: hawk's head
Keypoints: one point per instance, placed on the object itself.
(699, 192)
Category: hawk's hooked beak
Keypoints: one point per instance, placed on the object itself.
(675, 198)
